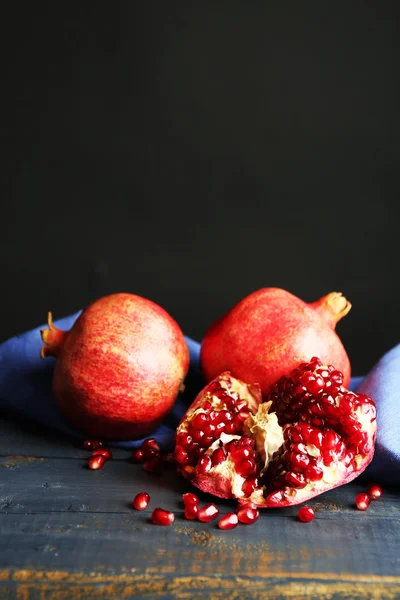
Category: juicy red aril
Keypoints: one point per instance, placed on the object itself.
(191, 511)
(150, 448)
(374, 491)
(246, 441)
(316, 438)
(331, 439)
(96, 462)
(137, 455)
(362, 501)
(185, 440)
(103, 452)
(314, 473)
(228, 521)
(141, 501)
(299, 461)
(197, 435)
(246, 467)
(249, 486)
(296, 480)
(243, 414)
(306, 514)
(218, 457)
(239, 404)
(200, 420)
(162, 517)
(248, 515)
(190, 498)
(204, 465)
(208, 512)
(240, 453)
(207, 406)
(92, 444)
(180, 455)
(209, 429)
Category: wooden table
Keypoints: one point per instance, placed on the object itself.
(67, 532)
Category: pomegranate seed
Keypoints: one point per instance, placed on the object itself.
(239, 454)
(141, 500)
(231, 445)
(162, 517)
(200, 420)
(191, 511)
(103, 452)
(296, 480)
(92, 444)
(362, 501)
(314, 473)
(306, 514)
(180, 455)
(226, 416)
(248, 515)
(239, 404)
(230, 428)
(246, 441)
(190, 498)
(206, 406)
(209, 429)
(219, 428)
(299, 461)
(228, 521)
(246, 467)
(184, 439)
(374, 491)
(204, 465)
(96, 462)
(152, 465)
(208, 512)
(249, 486)
(243, 414)
(246, 504)
(316, 438)
(137, 455)
(197, 436)
(331, 440)
(150, 448)
(218, 457)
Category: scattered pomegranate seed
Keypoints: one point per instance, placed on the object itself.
(150, 448)
(141, 500)
(96, 462)
(92, 444)
(374, 491)
(208, 512)
(248, 515)
(190, 498)
(137, 455)
(306, 514)
(228, 521)
(103, 452)
(191, 511)
(362, 501)
(162, 517)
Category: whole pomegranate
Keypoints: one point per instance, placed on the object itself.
(271, 331)
(120, 367)
(311, 435)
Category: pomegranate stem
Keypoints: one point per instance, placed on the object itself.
(53, 339)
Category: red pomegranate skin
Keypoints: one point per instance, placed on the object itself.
(271, 331)
(120, 367)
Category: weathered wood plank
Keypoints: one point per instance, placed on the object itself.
(33, 485)
(274, 548)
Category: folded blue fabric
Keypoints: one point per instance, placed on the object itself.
(26, 390)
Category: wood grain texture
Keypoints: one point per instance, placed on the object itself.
(68, 532)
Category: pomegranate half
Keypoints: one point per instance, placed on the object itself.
(120, 367)
(271, 331)
(311, 435)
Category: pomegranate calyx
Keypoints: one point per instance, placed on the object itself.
(53, 339)
(333, 307)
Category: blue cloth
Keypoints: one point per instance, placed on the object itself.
(26, 390)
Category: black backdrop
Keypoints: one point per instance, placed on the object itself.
(192, 152)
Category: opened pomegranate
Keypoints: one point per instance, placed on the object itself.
(311, 435)
(119, 368)
(268, 333)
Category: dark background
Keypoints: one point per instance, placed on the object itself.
(193, 152)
